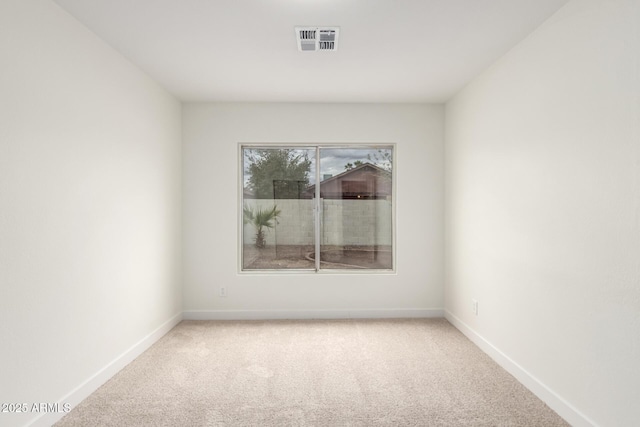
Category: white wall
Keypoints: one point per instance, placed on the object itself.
(211, 136)
(542, 164)
(90, 165)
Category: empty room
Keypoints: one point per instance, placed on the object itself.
(320, 213)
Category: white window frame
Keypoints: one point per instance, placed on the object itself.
(317, 207)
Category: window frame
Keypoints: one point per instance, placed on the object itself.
(317, 209)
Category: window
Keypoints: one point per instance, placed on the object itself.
(300, 201)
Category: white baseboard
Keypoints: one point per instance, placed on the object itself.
(90, 385)
(310, 314)
(544, 393)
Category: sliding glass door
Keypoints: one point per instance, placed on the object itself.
(299, 201)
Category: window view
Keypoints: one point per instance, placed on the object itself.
(287, 221)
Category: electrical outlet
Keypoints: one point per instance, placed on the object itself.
(222, 292)
(475, 306)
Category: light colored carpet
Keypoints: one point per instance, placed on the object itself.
(405, 372)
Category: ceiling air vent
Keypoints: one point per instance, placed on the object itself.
(317, 38)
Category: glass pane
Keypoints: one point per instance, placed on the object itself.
(278, 227)
(356, 192)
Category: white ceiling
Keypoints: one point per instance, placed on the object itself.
(245, 50)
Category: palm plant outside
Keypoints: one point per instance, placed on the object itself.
(260, 219)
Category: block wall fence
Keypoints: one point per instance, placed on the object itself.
(344, 222)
